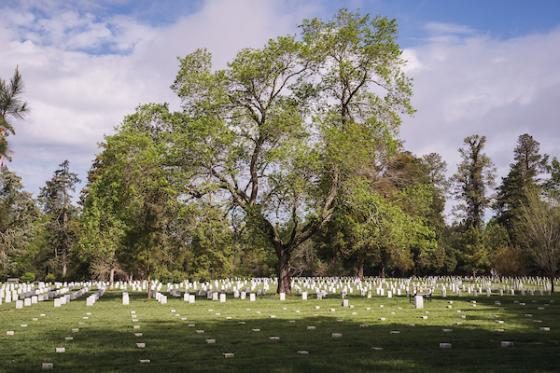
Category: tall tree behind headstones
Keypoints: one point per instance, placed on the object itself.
(56, 200)
(540, 233)
(523, 178)
(474, 176)
(17, 214)
(279, 131)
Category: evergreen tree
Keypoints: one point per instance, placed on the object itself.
(475, 175)
(56, 200)
(435, 169)
(523, 177)
(552, 184)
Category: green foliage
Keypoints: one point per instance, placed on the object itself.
(383, 231)
(17, 214)
(552, 184)
(128, 199)
(275, 133)
(286, 161)
(139, 218)
(510, 261)
(523, 178)
(11, 106)
(62, 217)
(28, 277)
(474, 176)
(540, 233)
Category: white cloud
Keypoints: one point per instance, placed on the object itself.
(497, 88)
(448, 28)
(77, 97)
(465, 82)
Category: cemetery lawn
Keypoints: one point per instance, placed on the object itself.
(105, 341)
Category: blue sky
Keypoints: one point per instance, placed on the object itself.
(497, 18)
(488, 67)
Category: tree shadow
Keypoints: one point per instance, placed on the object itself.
(366, 344)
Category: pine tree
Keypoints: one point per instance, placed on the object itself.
(474, 176)
(522, 178)
(56, 200)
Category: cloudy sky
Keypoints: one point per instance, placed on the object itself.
(487, 67)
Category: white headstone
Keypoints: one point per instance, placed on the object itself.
(419, 301)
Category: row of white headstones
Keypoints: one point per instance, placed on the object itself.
(346, 286)
(25, 295)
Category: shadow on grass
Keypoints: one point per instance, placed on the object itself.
(174, 345)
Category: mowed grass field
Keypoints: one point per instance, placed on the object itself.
(403, 341)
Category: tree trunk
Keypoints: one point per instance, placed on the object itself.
(149, 288)
(382, 270)
(551, 278)
(1, 155)
(284, 277)
(64, 266)
(359, 269)
(112, 276)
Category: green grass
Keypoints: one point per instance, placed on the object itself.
(106, 341)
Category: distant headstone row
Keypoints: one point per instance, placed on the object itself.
(415, 288)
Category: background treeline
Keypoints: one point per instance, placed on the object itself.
(287, 162)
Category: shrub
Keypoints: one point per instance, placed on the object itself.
(509, 261)
(28, 277)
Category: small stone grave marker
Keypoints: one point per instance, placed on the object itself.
(46, 366)
(505, 344)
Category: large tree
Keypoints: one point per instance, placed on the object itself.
(473, 179)
(540, 233)
(17, 214)
(551, 185)
(56, 200)
(11, 106)
(138, 220)
(387, 230)
(129, 201)
(523, 178)
(278, 131)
